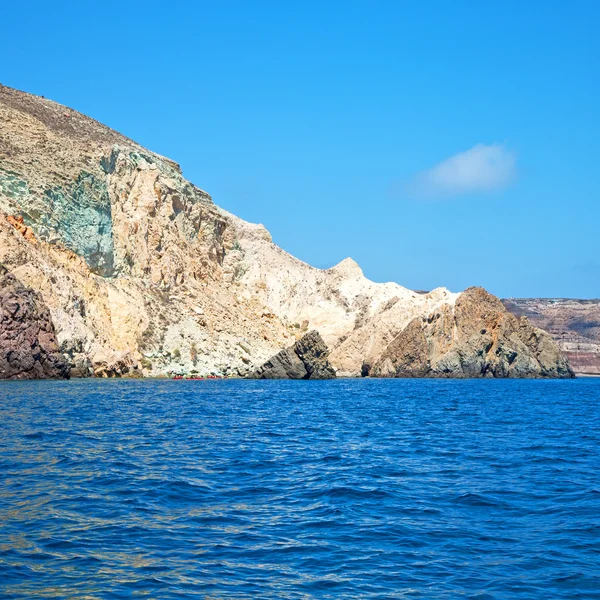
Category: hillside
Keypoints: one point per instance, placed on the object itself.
(144, 275)
(574, 324)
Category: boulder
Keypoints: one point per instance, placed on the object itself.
(28, 346)
(306, 359)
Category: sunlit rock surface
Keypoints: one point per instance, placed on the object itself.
(475, 338)
(144, 275)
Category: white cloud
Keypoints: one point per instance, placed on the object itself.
(481, 169)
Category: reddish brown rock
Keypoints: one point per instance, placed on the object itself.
(28, 347)
(19, 224)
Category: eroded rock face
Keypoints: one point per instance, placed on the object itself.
(475, 338)
(574, 325)
(28, 347)
(144, 275)
(127, 254)
(306, 359)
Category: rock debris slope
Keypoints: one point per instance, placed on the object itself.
(144, 275)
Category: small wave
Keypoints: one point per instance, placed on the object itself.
(473, 499)
(366, 489)
(353, 492)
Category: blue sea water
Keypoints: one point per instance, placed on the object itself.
(307, 489)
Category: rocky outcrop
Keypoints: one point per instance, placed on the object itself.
(574, 325)
(306, 359)
(475, 338)
(137, 265)
(144, 275)
(28, 346)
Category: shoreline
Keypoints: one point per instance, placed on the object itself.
(345, 378)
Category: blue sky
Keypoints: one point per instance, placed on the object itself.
(437, 143)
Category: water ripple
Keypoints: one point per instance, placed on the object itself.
(341, 489)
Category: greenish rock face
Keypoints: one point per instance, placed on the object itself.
(78, 216)
(81, 215)
(12, 186)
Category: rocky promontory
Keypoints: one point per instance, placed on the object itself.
(306, 359)
(28, 346)
(475, 338)
(574, 324)
(144, 275)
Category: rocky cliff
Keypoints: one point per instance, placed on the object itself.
(574, 325)
(144, 274)
(28, 347)
(475, 338)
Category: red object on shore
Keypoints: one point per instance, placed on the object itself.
(195, 378)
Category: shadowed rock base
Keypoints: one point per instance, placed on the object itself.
(306, 359)
(28, 347)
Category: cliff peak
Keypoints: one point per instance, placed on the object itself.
(348, 268)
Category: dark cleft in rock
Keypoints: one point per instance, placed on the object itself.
(306, 359)
(28, 347)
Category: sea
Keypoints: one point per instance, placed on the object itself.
(351, 488)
